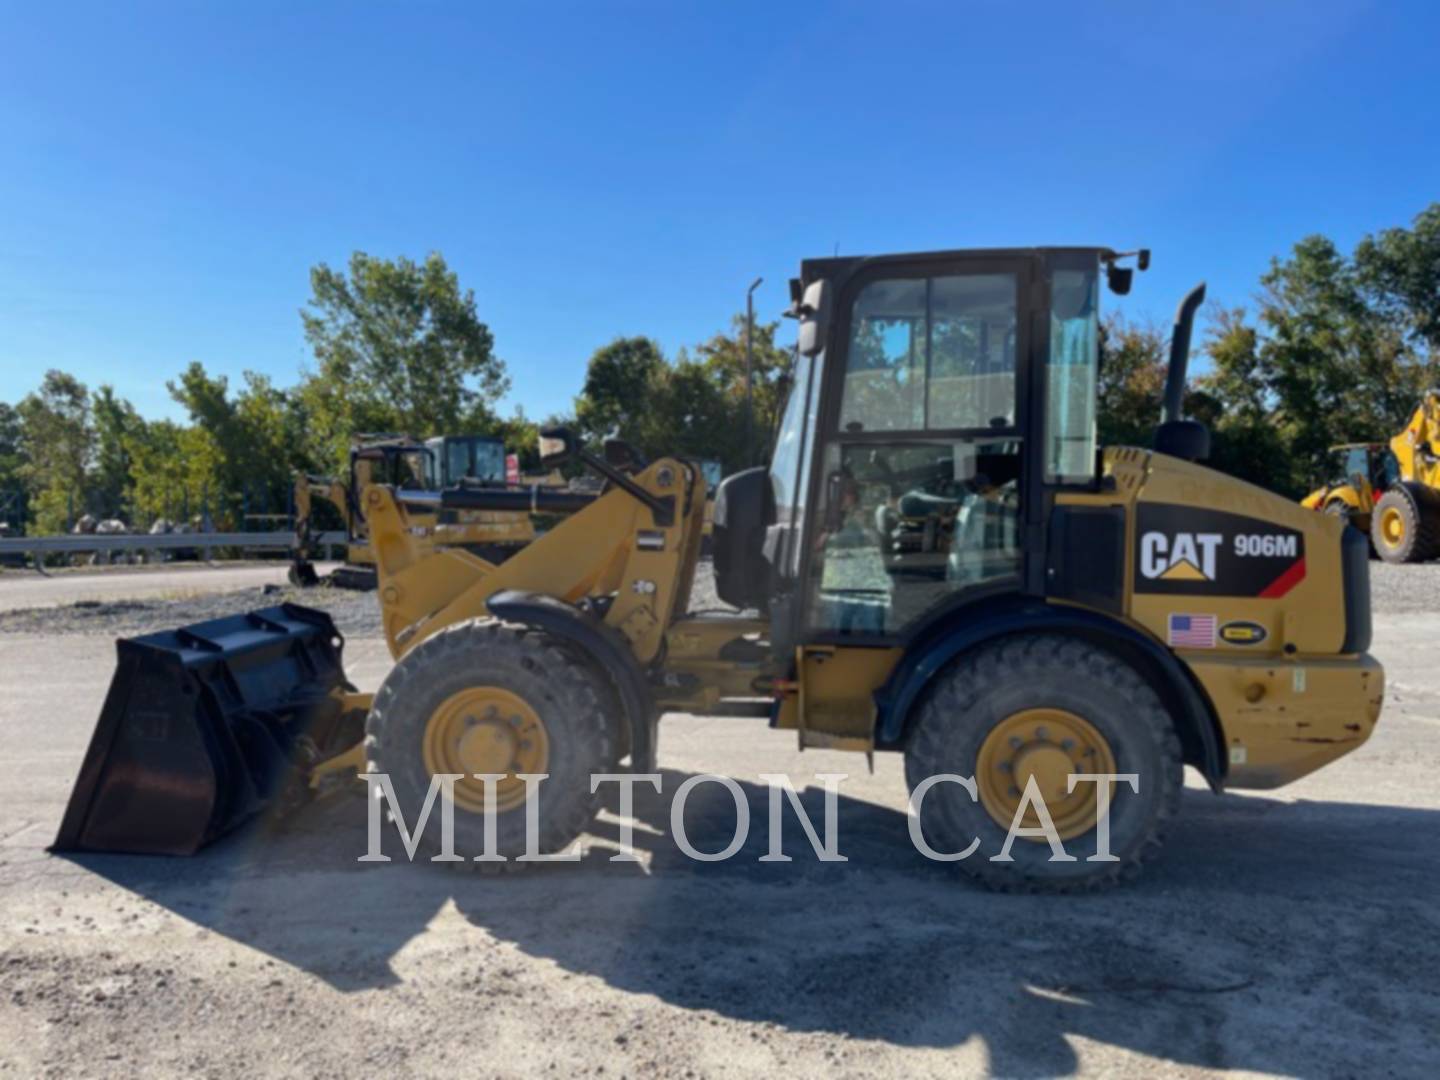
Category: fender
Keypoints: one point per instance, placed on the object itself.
(605, 647)
(937, 644)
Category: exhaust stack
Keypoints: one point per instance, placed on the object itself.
(1188, 440)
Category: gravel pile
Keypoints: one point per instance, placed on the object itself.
(356, 614)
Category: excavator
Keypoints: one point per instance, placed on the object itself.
(443, 461)
(1073, 619)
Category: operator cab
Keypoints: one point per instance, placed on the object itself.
(1365, 463)
(457, 460)
(939, 401)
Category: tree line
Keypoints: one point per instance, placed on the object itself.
(398, 347)
(1335, 347)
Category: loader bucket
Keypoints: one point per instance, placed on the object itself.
(203, 728)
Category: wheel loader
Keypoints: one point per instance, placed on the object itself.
(1360, 473)
(1118, 612)
(1392, 491)
(447, 460)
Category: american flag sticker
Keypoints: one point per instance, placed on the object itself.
(1191, 632)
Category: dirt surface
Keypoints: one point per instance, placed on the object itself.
(21, 588)
(1292, 933)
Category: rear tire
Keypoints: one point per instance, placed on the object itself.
(1405, 525)
(985, 692)
(507, 661)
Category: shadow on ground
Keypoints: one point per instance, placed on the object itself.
(1235, 950)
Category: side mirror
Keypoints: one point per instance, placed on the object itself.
(558, 446)
(814, 317)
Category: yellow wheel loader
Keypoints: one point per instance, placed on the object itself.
(1117, 613)
(449, 460)
(1392, 492)
(1361, 472)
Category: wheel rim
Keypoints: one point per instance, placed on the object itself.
(486, 729)
(1392, 526)
(1050, 745)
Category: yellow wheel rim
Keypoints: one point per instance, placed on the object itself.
(486, 729)
(1392, 526)
(1050, 745)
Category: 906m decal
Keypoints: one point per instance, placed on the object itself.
(1187, 551)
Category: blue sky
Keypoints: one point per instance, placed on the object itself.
(170, 172)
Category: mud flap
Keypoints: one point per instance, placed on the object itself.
(205, 727)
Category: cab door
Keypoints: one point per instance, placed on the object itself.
(924, 461)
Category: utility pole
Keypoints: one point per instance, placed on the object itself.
(749, 377)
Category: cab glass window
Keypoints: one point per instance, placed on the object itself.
(931, 354)
(1070, 374)
(906, 526)
(790, 461)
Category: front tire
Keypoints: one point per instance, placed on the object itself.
(1405, 526)
(491, 697)
(1044, 706)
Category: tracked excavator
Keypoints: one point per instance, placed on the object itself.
(937, 561)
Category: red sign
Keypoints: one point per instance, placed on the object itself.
(512, 468)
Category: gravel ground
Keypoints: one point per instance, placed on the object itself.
(1288, 933)
(1404, 589)
(356, 614)
(1394, 590)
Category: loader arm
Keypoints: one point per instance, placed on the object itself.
(636, 571)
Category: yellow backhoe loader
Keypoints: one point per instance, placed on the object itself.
(1074, 612)
(1392, 492)
(445, 461)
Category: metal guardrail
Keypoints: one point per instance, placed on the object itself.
(85, 542)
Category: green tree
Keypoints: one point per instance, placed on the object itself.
(173, 469)
(723, 357)
(399, 346)
(621, 381)
(689, 414)
(1401, 267)
(116, 422)
(1249, 439)
(252, 443)
(1133, 360)
(1331, 357)
(56, 440)
(11, 453)
(12, 462)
